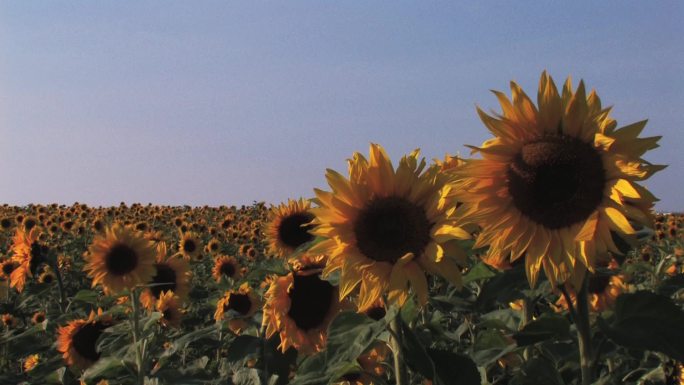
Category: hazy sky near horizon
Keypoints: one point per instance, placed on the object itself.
(218, 102)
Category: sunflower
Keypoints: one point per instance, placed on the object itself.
(172, 274)
(29, 254)
(371, 364)
(77, 341)
(31, 362)
(555, 182)
(243, 302)
(190, 246)
(7, 267)
(603, 289)
(168, 305)
(38, 317)
(120, 259)
(386, 227)
(300, 306)
(225, 266)
(46, 277)
(213, 246)
(288, 227)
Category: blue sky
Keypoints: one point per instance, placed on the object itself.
(218, 102)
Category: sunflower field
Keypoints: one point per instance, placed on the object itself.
(540, 260)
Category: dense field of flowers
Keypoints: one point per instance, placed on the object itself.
(539, 262)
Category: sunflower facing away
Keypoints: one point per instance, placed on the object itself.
(120, 259)
(387, 227)
(77, 341)
(288, 227)
(28, 255)
(300, 306)
(555, 181)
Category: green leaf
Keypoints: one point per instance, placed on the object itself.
(454, 368)
(671, 285)
(547, 327)
(503, 288)
(415, 354)
(242, 347)
(106, 366)
(645, 320)
(87, 296)
(479, 272)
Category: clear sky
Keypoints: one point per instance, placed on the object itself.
(220, 102)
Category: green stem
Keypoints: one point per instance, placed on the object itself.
(60, 286)
(580, 316)
(136, 337)
(584, 333)
(395, 343)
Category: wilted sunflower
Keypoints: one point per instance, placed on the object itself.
(386, 227)
(300, 306)
(120, 259)
(172, 274)
(288, 227)
(243, 302)
(225, 267)
(29, 254)
(556, 181)
(190, 246)
(169, 305)
(77, 341)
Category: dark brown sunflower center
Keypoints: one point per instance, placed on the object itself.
(39, 318)
(47, 278)
(189, 246)
(239, 302)
(227, 269)
(5, 223)
(84, 340)
(310, 300)
(8, 268)
(168, 314)
(293, 230)
(164, 280)
(557, 181)
(598, 283)
(388, 228)
(121, 259)
(377, 313)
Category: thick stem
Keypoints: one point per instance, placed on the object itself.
(584, 333)
(395, 344)
(139, 361)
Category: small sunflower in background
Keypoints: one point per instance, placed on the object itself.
(29, 254)
(190, 246)
(7, 267)
(47, 276)
(243, 302)
(31, 362)
(555, 181)
(603, 289)
(120, 259)
(77, 341)
(300, 307)
(371, 364)
(213, 246)
(288, 227)
(172, 274)
(225, 267)
(386, 228)
(169, 305)
(38, 317)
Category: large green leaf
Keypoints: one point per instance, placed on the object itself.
(648, 321)
(454, 368)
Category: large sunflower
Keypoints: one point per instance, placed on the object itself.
(300, 306)
(77, 341)
(288, 227)
(386, 227)
(172, 274)
(120, 259)
(556, 182)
